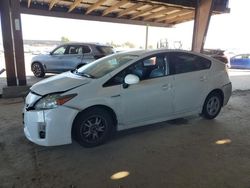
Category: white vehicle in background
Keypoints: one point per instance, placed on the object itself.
(122, 91)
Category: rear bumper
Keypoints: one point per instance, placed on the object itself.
(227, 91)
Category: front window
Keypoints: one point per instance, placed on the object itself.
(60, 51)
(148, 68)
(105, 65)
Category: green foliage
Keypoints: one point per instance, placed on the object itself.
(64, 39)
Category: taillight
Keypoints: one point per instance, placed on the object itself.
(226, 68)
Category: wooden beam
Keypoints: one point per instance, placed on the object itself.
(136, 15)
(158, 13)
(112, 8)
(202, 17)
(74, 5)
(164, 17)
(187, 16)
(95, 5)
(134, 7)
(29, 2)
(52, 3)
(60, 13)
(18, 42)
(8, 44)
(171, 16)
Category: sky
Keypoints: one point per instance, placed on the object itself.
(226, 31)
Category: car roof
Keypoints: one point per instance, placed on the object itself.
(162, 50)
(85, 43)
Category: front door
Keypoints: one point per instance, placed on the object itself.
(152, 98)
(55, 63)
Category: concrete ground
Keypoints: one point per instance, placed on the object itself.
(184, 153)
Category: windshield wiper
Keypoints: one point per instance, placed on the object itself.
(86, 75)
(83, 74)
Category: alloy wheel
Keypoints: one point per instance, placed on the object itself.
(93, 128)
(213, 105)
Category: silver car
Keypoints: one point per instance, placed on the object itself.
(67, 57)
(122, 91)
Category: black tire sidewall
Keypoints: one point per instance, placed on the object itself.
(87, 114)
(205, 114)
(42, 70)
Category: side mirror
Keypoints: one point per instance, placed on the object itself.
(131, 79)
(50, 53)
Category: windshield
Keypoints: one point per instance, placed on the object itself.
(104, 65)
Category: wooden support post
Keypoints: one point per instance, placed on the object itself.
(8, 43)
(18, 41)
(202, 17)
(146, 40)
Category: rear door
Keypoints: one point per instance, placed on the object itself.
(190, 76)
(87, 52)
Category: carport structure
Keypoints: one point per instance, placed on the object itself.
(162, 13)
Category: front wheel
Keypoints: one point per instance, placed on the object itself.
(212, 106)
(93, 127)
(38, 70)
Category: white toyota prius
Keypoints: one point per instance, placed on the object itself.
(122, 91)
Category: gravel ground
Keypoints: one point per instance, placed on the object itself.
(177, 154)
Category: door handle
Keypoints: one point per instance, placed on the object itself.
(166, 86)
(203, 78)
(114, 96)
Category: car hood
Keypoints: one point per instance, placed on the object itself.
(41, 56)
(59, 83)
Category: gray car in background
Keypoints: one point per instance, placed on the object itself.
(67, 57)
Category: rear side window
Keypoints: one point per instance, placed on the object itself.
(85, 49)
(181, 62)
(105, 50)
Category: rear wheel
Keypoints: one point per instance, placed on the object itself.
(38, 70)
(93, 127)
(212, 105)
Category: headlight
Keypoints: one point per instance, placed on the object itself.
(53, 101)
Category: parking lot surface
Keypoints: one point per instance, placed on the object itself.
(190, 152)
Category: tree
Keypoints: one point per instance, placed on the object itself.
(129, 44)
(64, 39)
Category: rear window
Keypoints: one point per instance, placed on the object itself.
(106, 50)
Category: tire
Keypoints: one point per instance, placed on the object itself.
(212, 105)
(93, 127)
(38, 70)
